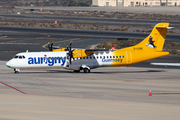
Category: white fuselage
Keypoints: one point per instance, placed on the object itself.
(36, 60)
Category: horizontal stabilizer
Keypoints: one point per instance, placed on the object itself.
(166, 64)
(166, 27)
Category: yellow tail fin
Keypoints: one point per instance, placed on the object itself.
(155, 41)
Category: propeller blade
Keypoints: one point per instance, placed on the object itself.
(70, 60)
(67, 48)
(52, 45)
(70, 44)
(49, 46)
(70, 53)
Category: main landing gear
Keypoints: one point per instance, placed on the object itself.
(86, 70)
(16, 70)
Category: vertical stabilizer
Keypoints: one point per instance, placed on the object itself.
(156, 39)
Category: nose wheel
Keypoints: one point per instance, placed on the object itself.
(16, 70)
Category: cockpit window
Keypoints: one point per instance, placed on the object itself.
(20, 57)
(16, 56)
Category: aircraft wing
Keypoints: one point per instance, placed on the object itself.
(57, 47)
(86, 52)
(94, 50)
(166, 64)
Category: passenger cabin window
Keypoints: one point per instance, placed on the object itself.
(100, 56)
(110, 57)
(107, 56)
(119, 56)
(113, 56)
(97, 57)
(23, 56)
(116, 56)
(20, 57)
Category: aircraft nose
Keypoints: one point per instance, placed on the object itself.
(9, 64)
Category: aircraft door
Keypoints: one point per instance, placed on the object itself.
(128, 57)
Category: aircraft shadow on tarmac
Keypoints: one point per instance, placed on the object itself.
(166, 93)
(110, 72)
(106, 72)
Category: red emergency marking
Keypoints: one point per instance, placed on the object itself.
(55, 22)
(12, 87)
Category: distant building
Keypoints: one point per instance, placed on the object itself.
(134, 3)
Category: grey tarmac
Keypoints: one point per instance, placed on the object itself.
(105, 93)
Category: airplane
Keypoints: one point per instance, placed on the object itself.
(87, 59)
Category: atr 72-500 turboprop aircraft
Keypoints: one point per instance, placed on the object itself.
(86, 59)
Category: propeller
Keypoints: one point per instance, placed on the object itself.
(70, 52)
(50, 45)
(67, 48)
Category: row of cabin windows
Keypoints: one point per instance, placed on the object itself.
(90, 57)
(54, 58)
(104, 57)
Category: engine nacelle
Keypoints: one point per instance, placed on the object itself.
(81, 53)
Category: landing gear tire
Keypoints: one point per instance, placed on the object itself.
(76, 71)
(86, 70)
(16, 70)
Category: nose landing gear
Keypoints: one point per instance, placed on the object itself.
(16, 70)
